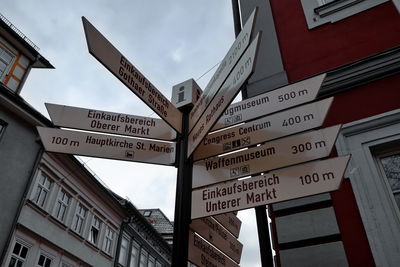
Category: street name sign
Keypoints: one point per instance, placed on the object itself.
(109, 122)
(107, 146)
(129, 75)
(269, 102)
(267, 128)
(230, 222)
(298, 181)
(203, 253)
(238, 47)
(276, 154)
(213, 232)
(225, 95)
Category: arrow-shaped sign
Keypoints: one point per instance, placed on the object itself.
(231, 58)
(280, 124)
(230, 222)
(225, 96)
(276, 154)
(109, 122)
(298, 181)
(129, 75)
(270, 102)
(107, 146)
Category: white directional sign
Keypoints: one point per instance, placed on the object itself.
(264, 129)
(230, 222)
(285, 184)
(214, 233)
(276, 154)
(128, 74)
(273, 101)
(107, 146)
(203, 253)
(109, 122)
(225, 95)
(229, 61)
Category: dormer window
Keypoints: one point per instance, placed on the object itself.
(6, 58)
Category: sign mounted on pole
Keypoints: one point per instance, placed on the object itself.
(107, 146)
(109, 122)
(277, 125)
(214, 233)
(225, 96)
(203, 253)
(230, 222)
(272, 101)
(297, 181)
(129, 75)
(276, 154)
(237, 49)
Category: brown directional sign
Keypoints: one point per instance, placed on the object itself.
(272, 101)
(129, 75)
(231, 58)
(107, 146)
(277, 125)
(203, 253)
(230, 222)
(109, 122)
(225, 95)
(276, 154)
(214, 233)
(298, 181)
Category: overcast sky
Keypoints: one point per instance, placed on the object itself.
(168, 41)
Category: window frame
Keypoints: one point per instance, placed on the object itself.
(108, 242)
(79, 218)
(365, 139)
(46, 257)
(95, 219)
(135, 245)
(331, 12)
(8, 65)
(35, 197)
(62, 204)
(17, 257)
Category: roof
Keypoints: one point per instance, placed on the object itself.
(159, 221)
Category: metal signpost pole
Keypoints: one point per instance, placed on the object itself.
(183, 197)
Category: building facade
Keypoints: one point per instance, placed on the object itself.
(356, 43)
(55, 211)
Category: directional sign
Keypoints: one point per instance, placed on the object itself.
(229, 61)
(109, 122)
(230, 222)
(225, 96)
(203, 253)
(285, 184)
(107, 146)
(273, 101)
(264, 129)
(214, 233)
(276, 154)
(128, 74)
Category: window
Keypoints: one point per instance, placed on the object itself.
(319, 12)
(134, 254)
(108, 242)
(44, 261)
(152, 262)
(143, 258)
(62, 204)
(6, 59)
(18, 255)
(3, 125)
(147, 213)
(123, 251)
(79, 219)
(391, 169)
(94, 230)
(158, 264)
(42, 190)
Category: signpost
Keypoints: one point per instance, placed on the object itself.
(231, 58)
(203, 253)
(213, 232)
(276, 154)
(272, 101)
(107, 146)
(109, 122)
(264, 129)
(298, 181)
(129, 75)
(225, 96)
(230, 222)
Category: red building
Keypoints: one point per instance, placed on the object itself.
(357, 44)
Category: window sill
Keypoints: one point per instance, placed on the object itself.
(92, 246)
